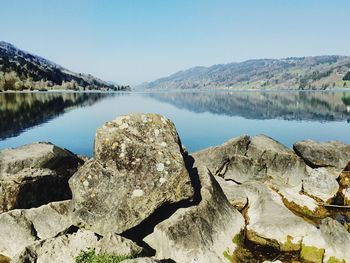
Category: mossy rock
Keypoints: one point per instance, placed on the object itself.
(238, 239)
(4, 259)
(311, 254)
(289, 245)
(335, 260)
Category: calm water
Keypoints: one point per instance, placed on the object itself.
(202, 118)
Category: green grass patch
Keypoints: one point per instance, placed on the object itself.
(91, 256)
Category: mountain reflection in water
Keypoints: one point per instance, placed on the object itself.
(309, 106)
(20, 111)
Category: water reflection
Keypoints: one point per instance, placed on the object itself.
(20, 111)
(202, 119)
(310, 106)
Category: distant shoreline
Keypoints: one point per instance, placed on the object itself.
(175, 90)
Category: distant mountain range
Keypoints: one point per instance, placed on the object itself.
(20, 70)
(317, 73)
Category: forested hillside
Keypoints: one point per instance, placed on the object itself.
(20, 70)
(304, 73)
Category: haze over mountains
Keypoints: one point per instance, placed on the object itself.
(317, 73)
(20, 70)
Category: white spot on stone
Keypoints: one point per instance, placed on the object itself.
(162, 180)
(144, 118)
(163, 144)
(137, 193)
(156, 132)
(167, 162)
(124, 126)
(164, 120)
(86, 183)
(151, 139)
(160, 167)
(123, 146)
(160, 153)
(122, 155)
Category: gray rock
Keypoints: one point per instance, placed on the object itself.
(250, 159)
(36, 155)
(61, 249)
(20, 228)
(266, 160)
(270, 222)
(35, 174)
(216, 159)
(233, 192)
(203, 232)
(65, 248)
(331, 241)
(138, 167)
(323, 154)
(321, 183)
(281, 164)
(114, 244)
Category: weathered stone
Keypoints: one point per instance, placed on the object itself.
(216, 159)
(282, 165)
(332, 238)
(270, 222)
(20, 228)
(138, 167)
(61, 249)
(203, 233)
(114, 244)
(65, 248)
(323, 154)
(266, 160)
(234, 194)
(35, 174)
(321, 184)
(300, 203)
(250, 159)
(346, 196)
(36, 155)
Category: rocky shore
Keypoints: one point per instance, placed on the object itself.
(144, 197)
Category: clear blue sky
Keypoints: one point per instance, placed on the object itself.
(131, 41)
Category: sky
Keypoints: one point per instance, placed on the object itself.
(134, 41)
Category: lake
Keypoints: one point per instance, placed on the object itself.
(203, 119)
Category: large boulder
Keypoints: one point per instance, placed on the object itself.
(201, 233)
(329, 243)
(263, 159)
(246, 159)
(270, 223)
(22, 227)
(323, 154)
(138, 168)
(35, 174)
